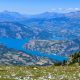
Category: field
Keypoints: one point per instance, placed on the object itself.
(40, 72)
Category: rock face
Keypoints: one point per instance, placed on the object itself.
(14, 57)
(59, 47)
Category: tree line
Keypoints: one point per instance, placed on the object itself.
(73, 58)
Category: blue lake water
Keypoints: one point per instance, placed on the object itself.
(13, 43)
(19, 45)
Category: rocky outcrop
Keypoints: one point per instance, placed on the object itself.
(60, 47)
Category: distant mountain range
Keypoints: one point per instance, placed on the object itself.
(48, 25)
(10, 16)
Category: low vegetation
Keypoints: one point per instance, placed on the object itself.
(71, 72)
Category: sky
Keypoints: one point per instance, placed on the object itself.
(39, 6)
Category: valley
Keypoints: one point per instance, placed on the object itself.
(39, 39)
(39, 47)
(53, 38)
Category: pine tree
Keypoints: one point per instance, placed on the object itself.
(75, 58)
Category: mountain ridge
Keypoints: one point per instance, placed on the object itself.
(46, 26)
(64, 27)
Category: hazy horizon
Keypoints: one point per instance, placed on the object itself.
(39, 6)
(61, 11)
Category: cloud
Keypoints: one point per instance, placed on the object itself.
(64, 9)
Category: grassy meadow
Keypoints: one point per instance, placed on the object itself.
(71, 72)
